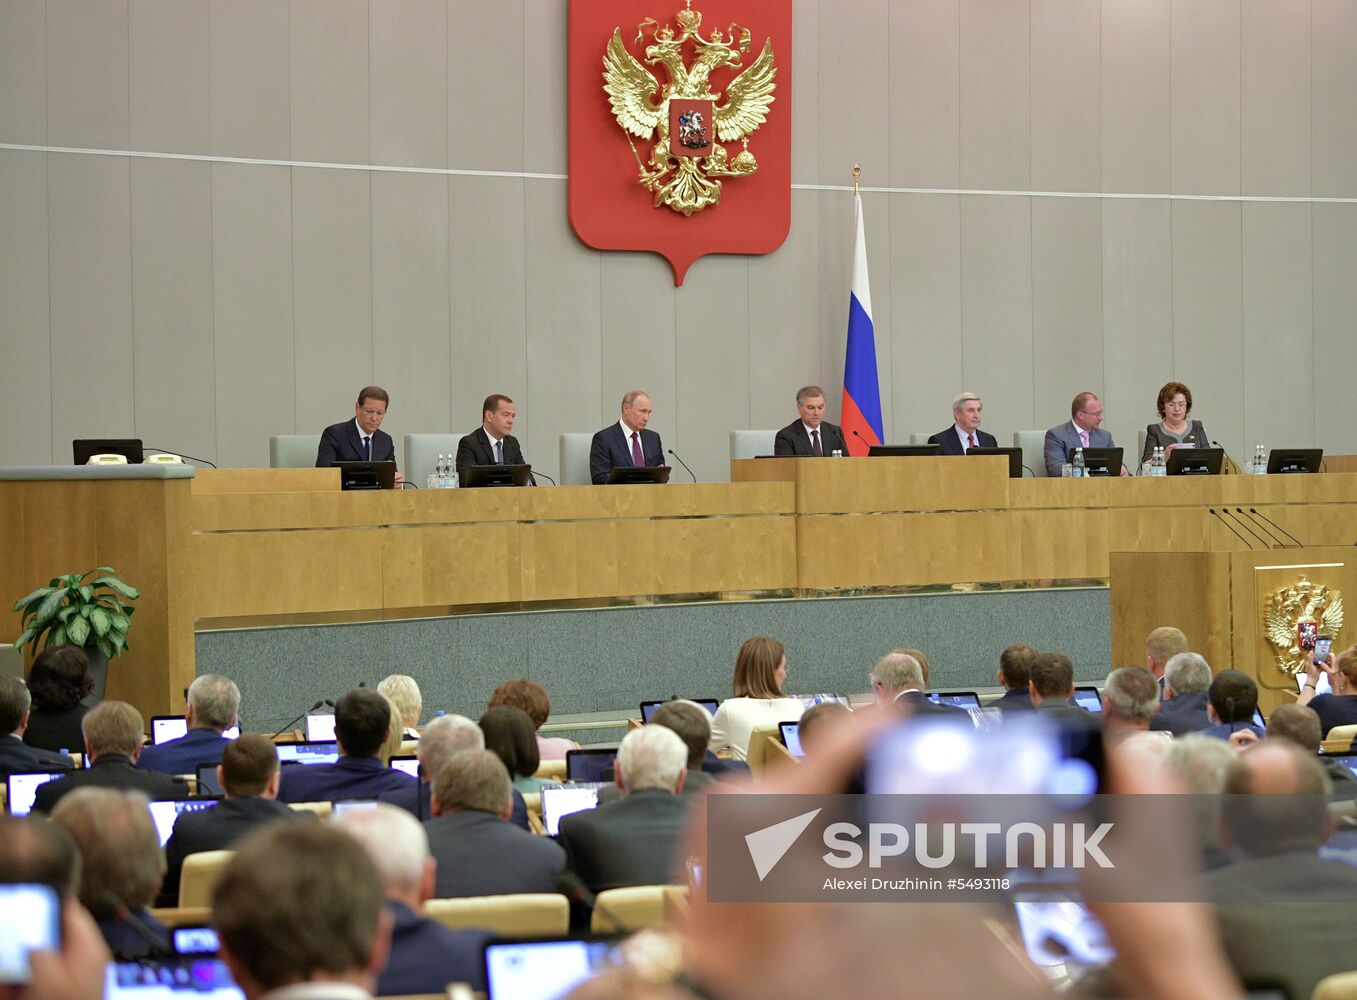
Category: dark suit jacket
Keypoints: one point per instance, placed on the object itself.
(182, 756)
(414, 799)
(630, 842)
(715, 766)
(951, 444)
(129, 946)
(611, 449)
(920, 705)
(110, 771)
(346, 778)
(341, 443)
(56, 730)
(1017, 700)
(216, 829)
(475, 449)
(17, 756)
(481, 855)
(793, 441)
(426, 956)
(1182, 714)
(696, 783)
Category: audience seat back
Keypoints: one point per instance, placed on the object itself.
(517, 916)
(638, 907)
(200, 875)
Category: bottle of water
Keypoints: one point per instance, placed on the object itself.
(431, 481)
(1157, 462)
(1080, 468)
(1260, 461)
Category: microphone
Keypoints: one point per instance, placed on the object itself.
(1249, 519)
(1214, 513)
(684, 464)
(1255, 510)
(329, 703)
(1244, 525)
(191, 458)
(574, 889)
(535, 474)
(1217, 444)
(298, 719)
(1028, 468)
(863, 440)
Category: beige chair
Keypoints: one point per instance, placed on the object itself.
(422, 451)
(293, 451)
(766, 749)
(1339, 739)
(199, 877)
(525, 915)
(917, 438)
(1033, 445)
(575, 459)
(183, 916)
(551, 770)
(637, 907)
(751, 444)
(1339, 986)
(321, 809)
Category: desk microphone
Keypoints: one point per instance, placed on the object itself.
(1255, 510)
(862, 439)
(1250, 519)
(152, 448)
(1214, 513)
(1233, 463)
(685, 466)
(535, 474)
(299, 719)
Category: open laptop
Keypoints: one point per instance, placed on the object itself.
(649, 708)
(1088, 699)
(405, 763)
(22, 786)
(567, 799)
(315, 752)
(320, 727)
(957, 699)
(545, 968)
(164, 812)
(590, 765)
(194, 972)
(171, 727)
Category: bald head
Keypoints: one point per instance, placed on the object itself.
(1276, 800)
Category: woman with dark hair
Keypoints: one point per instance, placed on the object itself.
(510, 736)
(1174, 430)
(57, 682)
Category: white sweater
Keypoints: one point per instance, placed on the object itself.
(737, 718)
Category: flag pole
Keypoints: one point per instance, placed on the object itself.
(857, 176)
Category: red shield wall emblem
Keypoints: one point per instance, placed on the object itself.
(680, 126)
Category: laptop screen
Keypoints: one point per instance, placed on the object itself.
(308, 753)
(22, 788)
(200, 977)
(170, 727)
(559, 802)
(957, 699)
(649, 708)
(165, 812)
(1087, 699)
(542, 970)
(320, 727)
(589, 765)
(407, 765)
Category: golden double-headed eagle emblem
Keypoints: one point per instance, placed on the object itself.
(686, 163)
(1295, 616)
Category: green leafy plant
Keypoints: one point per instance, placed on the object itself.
(75, 610)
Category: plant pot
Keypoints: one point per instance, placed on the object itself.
(98, 675)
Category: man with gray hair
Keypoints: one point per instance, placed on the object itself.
(213, 707)
(626, 444)
(477, 851)
(425, 955)
(810, 435)
(15, 754)
(965, 432)
(898, 681)
(114, 733)
(1130, 700)
(633, 841)
(1187, 677)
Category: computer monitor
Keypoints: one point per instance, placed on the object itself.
(903, 450)
(1284, 460)
(497, 475)
(317, 752)
(628, 475)
(192, 977)
(590, 765)
(21, 787)
(164, 812)
(1088, 699)
(83, 448)
(171, 727)
(406, 764)
(649, 708)
(367, 475)
(1100, 461)
(566, 799)
(1195, 462)
(544, 969)
(1014, 458)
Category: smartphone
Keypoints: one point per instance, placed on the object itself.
(30, 920)
(1323, 643)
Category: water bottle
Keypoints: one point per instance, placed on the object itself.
(1260, 461)
(1080, 468)
(431, 481)
(1163, 461)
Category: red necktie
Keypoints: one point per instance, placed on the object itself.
(815, 448)
(972, 444)
(637, 459)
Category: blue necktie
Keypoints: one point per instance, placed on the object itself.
(499, 452)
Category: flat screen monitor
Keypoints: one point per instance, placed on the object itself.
(367, 475)
(318, 752)
(590, 765)
(649, 708)
(207, 780)
(545, 969)
(1088, 699)
(320, 728)
(903, 450)
(171, 727)
(1100, 461)
(84, 448)
(408, 764)
(628, 475)
(497, 475)
(791, 737)
(1014, 458)
(165, 812)
(1284, 460)
(1195, 462)
(567, 799)
(22, 786)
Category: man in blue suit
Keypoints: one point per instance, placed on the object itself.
(213, 702)
(1187, 679)
(362, 721)
(965, 432)
(1084, 430)
(626, 444)
(360, 439)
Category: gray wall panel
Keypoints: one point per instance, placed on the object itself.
(712, 362)
(23, 71)
(1067, 306)
(544, 61)
(1205, 92)
(409, 75)
(1335, 305)
(1135, 95)
(330, 77)
(925, 139)
(1333, 126)
(87, 103)
(1275, 101)
(486, 82)
(638, 338)
(1066, 110)
(806, 92)
(26, 343)
(170, 42)
(251, 78)
(996, 106)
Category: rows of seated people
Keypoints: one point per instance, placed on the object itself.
(115, 833)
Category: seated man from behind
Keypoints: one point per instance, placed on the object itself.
(633, 841)
(302, 903)
(1187, 676)
(362, 724)
(898, 681)
(478, 852)
(818, 720)
(1233, 700)
(1014, 674)
(1300, 725)
(1052, 689)
(213, 704)
(37, 852)
(425, 955)
(114, 732)
(692, 724)
(1130, 700)
(15, 754)
(248, 773)
(1287, 916)
(120, 867)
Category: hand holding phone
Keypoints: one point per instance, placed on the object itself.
(30, 920)
(1323, 643)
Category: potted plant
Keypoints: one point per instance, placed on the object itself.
(77, 611)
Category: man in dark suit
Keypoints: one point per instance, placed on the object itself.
(213, 704)
(15, 754)
(1052, 689)
(114, 732)
(692, 725)
(478, 852)
(491, 443)
(1232, 701)
(898, 682)
(362, 722)
(626, 444)
(425, 955)
(1187, 676)
(1014, 674)
(249, 774)
(810, 436)
(965, 432)
(360, 439)
(633, 841)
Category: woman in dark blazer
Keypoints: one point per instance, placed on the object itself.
(57, 682)
(1173, 429)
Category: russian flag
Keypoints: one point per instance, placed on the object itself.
(861, 391)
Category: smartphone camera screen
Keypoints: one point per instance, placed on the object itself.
(1323, 644)
(30, 920)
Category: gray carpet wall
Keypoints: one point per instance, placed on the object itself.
(611, 659)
